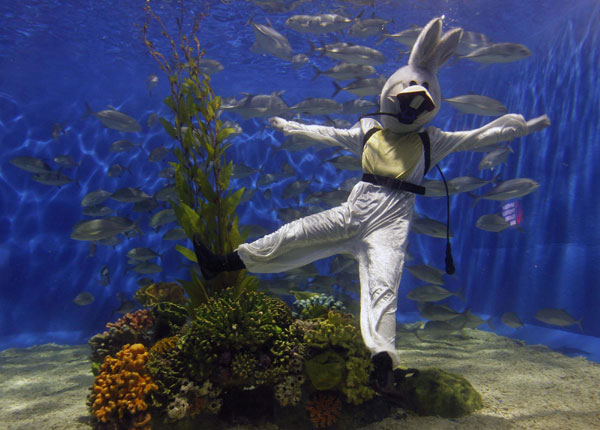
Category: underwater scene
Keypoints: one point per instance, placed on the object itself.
(298, 214)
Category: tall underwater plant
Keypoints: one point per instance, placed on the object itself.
(206, 203)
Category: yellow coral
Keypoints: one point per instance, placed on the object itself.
(164, 346)
(121, 388)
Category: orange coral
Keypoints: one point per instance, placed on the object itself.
(139, 320)
(120, 389)
(324, 409)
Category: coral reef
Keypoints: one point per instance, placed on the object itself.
(161, 292)
(338, 357)
(324, 409)
(169, 318)
(129, 329)
(437, 392)
(119, 393)
(316, 306)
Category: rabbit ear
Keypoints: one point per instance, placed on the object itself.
(445, 48)
(424, 48)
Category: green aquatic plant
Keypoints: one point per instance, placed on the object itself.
(206, 203)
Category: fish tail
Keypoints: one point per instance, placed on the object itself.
(476, 197)
(381, 39)
(337, 89)
(490, 324)
(459, 294)
(88, 109)
(317, 73)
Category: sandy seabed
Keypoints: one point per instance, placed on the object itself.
(523, 387)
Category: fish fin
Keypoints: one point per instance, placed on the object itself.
(317, 73)
(579, 325)
(88, 109)
(459, 294)
(474, 196)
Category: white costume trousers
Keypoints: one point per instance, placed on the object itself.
(372, 226)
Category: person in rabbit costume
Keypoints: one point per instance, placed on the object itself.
(373, 224)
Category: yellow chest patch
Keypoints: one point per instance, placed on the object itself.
(391, 154)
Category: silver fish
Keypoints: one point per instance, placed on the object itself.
(165, 194)
(362, 87)
(142, 254)
(299, 60)
(477, 105)
(167, 173)
(470, 41)
(295, 189)
(511, 189)
(492, 222)
(270, 41)
(209, 67)
(116, 120)
(146, 205)
(346, 71)
(161, 218)
(261, 105)
(346, 162)
(433, 312)
(104, 276)
(495, 158)
(158, 154)
(511, 319)
(65, 161)
(129, 195)
(176, 233)
(427, 273)
(557, 317)
(95, 198)
(52, 178)
(432, 293)
(368, 27)
(126, 306)
(147, 268)
(406, 37)
(83, 299)
(358, 107)
(355, 54)
(469, 320)
(122, 145)
(327, 198)
(297, 142)
(317, 106)
(31, 164)
(151, 82)
(318, 24)
(97, 211)
(116, 170)
(267, 179)
(241, 171)
(498, 53)
(429, 227)
(103, 228)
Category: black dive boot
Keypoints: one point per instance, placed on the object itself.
(385, 379)
(211, 264)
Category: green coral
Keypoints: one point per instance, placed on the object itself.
(243, 365)
(325, 370)
(169, 318)
(437, 392)
(339, 334)
(250, 323)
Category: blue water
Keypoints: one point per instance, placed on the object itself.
(56, 56)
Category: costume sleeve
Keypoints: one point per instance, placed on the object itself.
(502, 129)
(350, 139)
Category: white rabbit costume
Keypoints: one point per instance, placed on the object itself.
(373, 224)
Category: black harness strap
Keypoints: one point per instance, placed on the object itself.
(427, 151)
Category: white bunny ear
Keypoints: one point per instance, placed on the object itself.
(445, 48)
(424, 48)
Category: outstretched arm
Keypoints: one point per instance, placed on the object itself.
(503, 129)
(350, 139)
